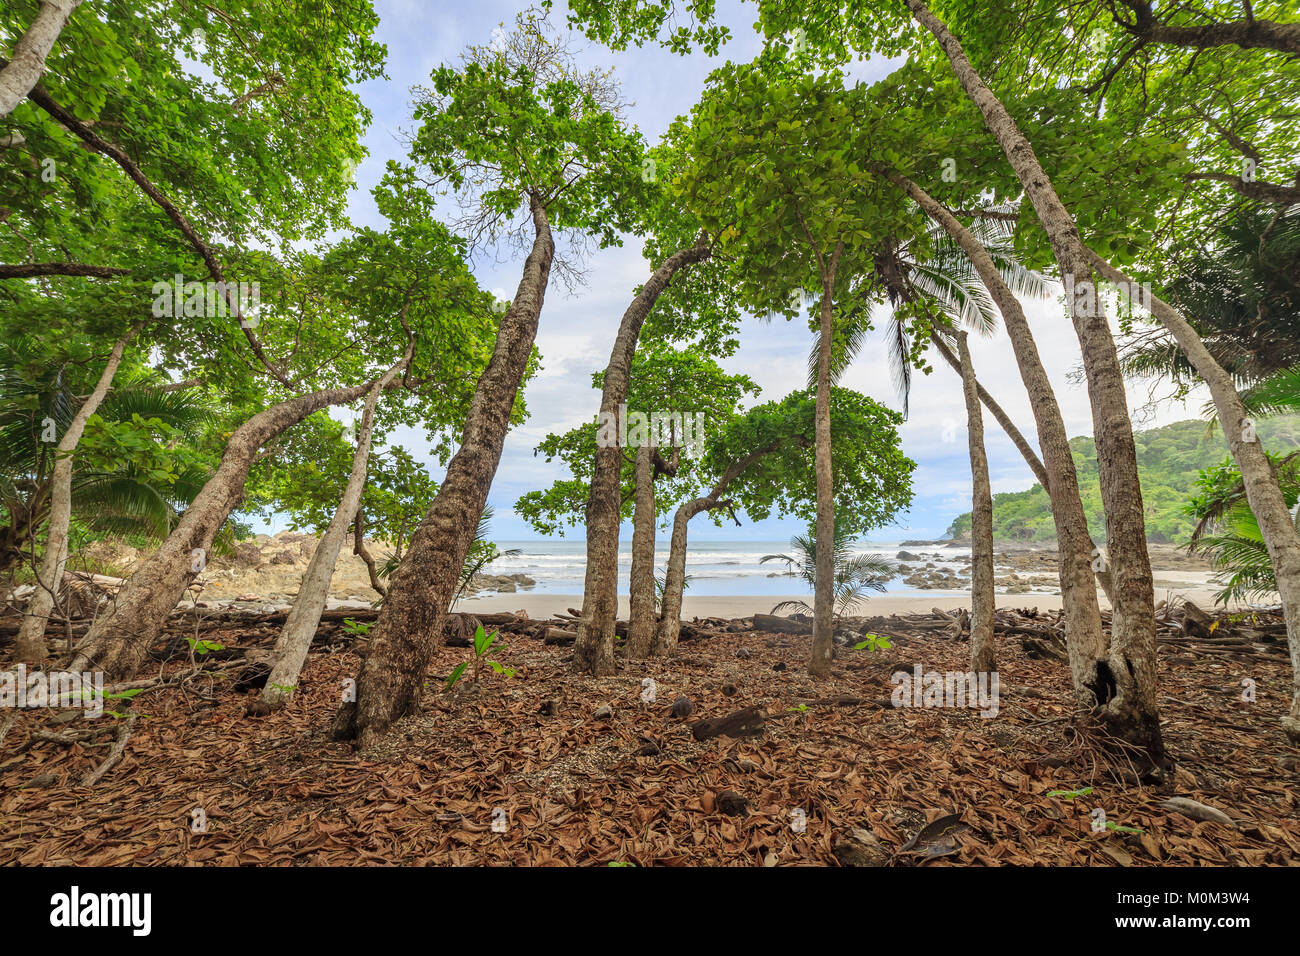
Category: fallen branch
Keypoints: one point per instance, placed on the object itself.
(114, 755)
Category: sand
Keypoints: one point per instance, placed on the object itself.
(705, 605)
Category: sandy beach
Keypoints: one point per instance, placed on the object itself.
(725, 606)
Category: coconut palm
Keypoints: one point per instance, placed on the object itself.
(855, 574)
(932, 277)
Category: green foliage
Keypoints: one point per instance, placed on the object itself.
(1070, 794)
(202, 646)
(1169, 460)
(483, 645)
(855, 574)
(663, 379)
(873, 642)
(873, 478)
(357, 628)
(1228, 533)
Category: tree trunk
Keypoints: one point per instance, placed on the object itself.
(409, 626)
(117, 643)
(1085, 639)
(819, 664)
(983, 655)
(1127, 682)
(1263, 492)
(999, 414)
(641, 616)
(295, 639)
(670, 611)
(30, 643)
(360, 550)
(594, 649)
(24, 71)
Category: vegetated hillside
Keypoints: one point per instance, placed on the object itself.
(1168, 461)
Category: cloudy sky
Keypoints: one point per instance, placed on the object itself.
(577, 330)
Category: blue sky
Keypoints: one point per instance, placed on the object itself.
(577, 330)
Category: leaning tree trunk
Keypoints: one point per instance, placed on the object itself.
(24, 71)
(1263, 492)
(118, 642)
(594, 648)
(1127, 679)
(998, 412)
(30, 644)
(361, 551)
(983, 655)
(295, 639)
(1085, 639)
(823, 640)
(641, 590)
(670, 616)
(404, 637)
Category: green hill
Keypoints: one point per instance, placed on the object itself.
(1168, 461)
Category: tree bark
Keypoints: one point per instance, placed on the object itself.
(1249, 34)
(670, 612)
(28, 270)
(24, 71)
(1127, 682)
(360, 550)
(1085, 639)
(30, 643)
(1263, 492)
(641, 590)
(983, 655)
(823, 644)
(118, 642)
(295, 639)
(594, 649)
(409, 626)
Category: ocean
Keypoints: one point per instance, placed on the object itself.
(715, 568)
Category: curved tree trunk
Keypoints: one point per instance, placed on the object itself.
(30, 644)
(670, 616)
(1127, 681)
(594, 648)
(360, 550)
(1085, 639)
(641, 590)
(403, 639)
(24, 71)
(1263, 492)
(983, 655)
(999, 414)
(295, 639)
(118, 642)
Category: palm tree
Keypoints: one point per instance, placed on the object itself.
(1229, 535)
(119, 497)
(855, 574)
(930, 275)
(932, 279)
(1242, 289)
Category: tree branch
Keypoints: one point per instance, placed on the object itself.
(28, 270)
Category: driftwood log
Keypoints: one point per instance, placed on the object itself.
(780, 625)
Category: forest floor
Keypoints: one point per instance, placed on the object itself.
(835, 775)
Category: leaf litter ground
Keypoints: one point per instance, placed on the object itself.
(521, 771)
